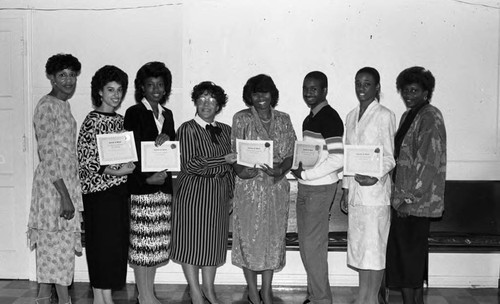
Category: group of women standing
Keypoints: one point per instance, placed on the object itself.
(131, 216)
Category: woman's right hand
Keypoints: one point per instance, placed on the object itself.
(230, 158)
(344, 203)
(67, 210)
(158, 178)
(127, 168)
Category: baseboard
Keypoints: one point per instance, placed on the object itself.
(452, 270)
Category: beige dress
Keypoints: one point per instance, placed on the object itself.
(369, 206)
(260, 206)
(55, 238)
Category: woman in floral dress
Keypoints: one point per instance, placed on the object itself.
(54, 226)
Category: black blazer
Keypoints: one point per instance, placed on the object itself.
(142, 122)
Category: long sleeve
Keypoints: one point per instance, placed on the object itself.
(431, 149)
(421, 167)
(193, 158)
(133, 122)
(88, 157)
(387, 131)
(45, 125)
(327, 129)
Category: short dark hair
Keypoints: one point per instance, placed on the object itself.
(213, 90)
(374, 73)
(263, 84)
(152, 69)
(320, 76)
(418, 75)
(61, 62)
(103, 76)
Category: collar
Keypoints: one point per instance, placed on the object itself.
(203, 123)
(148, 106)
(374, 104)
(318, 108)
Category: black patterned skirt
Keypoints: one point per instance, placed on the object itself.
(150, 226)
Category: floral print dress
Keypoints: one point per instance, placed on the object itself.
(55, 238)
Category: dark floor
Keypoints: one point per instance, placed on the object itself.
(22, 291)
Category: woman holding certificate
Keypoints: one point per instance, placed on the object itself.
(151, 192)
(367, 197)
(105, 195)
(419, 182)
(262, 193)
(200, 221)
(54, 226)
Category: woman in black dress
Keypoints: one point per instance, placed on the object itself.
(151, 192)
(200, 221)
(105, 195)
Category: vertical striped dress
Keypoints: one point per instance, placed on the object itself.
(200, 211)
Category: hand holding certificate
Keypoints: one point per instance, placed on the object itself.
(361, 159)
(154, 159)
(116, 148)
(254, 152)
(307, 153)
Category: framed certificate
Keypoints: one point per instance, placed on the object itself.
(116, 148)
(361, 159)
(154, 159)
(254, 152)
(306, 152)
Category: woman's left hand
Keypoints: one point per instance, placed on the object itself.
(365, 180)
(161, 138)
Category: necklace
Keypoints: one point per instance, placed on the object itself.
(265, 121)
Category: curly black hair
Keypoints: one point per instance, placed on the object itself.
(103, 76)
(61, 62)
(260, 84)
(213, 90)
(418, 75)
(152, 69)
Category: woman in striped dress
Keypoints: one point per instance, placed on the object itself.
(151, 192)
(200, 220)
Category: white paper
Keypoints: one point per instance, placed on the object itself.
(116, 148)
(363, 159)
(254, 152)
(155, 159)
(306, 152)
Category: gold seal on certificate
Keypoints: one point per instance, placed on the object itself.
(254, 152)
(116, 148)
(154, 159)
(307, 153)
(361, 159)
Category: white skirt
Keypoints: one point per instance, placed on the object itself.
(368, 230)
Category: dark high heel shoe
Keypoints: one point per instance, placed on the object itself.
(249, 301)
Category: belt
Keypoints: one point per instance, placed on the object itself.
(218, 175)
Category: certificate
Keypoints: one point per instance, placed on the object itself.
(116, 148)
(365, 160)
(154, 159)
(254, 152)
(307, 153)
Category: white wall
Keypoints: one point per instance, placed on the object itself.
(228, 41)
